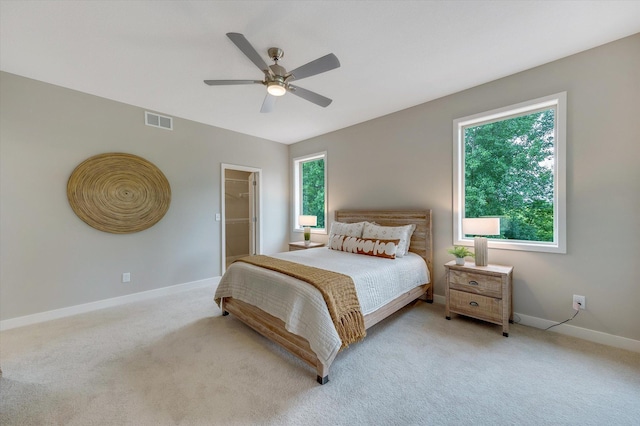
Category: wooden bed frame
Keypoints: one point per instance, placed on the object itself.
(274, 329)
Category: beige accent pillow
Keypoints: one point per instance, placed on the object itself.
(371, 247)
(403, 233)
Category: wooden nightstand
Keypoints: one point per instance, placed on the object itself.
(482, 292)
(299, 245)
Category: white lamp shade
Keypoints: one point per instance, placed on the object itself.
(481, 226)
(307, 220)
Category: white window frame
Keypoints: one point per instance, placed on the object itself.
(557, 101)
(297, 190)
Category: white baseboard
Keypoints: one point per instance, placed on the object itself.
(440, 300)
(101, 304)
(570, 330)
(582, 333)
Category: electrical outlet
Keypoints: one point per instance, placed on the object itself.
(126, 277)
(579, 302)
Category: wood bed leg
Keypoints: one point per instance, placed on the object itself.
(430, 294)
(224, 311)
(322, 371)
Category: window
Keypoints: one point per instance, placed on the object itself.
(510, 163)
(310, 180)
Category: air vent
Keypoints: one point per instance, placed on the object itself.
(155, 120)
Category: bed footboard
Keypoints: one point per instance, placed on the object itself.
(274, 329)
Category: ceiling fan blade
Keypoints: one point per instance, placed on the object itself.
(243, 44)
(269, 103)
(230, 82)
(310, 96)
(320, 65)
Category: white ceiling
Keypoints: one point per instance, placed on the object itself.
(393, 54)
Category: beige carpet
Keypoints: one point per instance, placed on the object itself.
(175, 361)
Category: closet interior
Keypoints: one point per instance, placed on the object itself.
(238, 193)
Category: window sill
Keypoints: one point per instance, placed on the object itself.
(517, 245)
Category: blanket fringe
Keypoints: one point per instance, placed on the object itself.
(351, 328)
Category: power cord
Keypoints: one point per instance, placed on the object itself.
(574, 315)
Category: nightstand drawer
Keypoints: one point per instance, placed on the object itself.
(475, 305)
(487, 285)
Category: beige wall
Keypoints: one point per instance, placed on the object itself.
(404, 160)
(51, 259)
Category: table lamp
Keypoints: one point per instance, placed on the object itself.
(307, 221)
(479, 227)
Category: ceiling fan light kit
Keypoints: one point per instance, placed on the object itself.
(276, 88)
(276, 77)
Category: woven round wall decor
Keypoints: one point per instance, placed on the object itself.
(118, 193)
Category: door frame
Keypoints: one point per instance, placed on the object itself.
(256, 220)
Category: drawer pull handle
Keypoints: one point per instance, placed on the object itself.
(473, 282)
(473, 303)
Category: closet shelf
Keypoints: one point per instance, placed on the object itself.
(237, 220)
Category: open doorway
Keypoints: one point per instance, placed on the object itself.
(240, 213)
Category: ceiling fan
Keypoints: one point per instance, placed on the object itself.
(276, 78)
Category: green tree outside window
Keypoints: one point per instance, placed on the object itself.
(313, 190)
(509, 174)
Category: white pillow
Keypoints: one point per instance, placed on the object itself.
(402, 233)
(348, 229)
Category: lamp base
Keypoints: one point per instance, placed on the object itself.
(481, 252)
(307, 236)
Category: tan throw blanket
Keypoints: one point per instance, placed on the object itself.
(337, 289)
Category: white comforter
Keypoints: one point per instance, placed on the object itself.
(301, 306)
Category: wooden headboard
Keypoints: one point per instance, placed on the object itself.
(421, 241)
